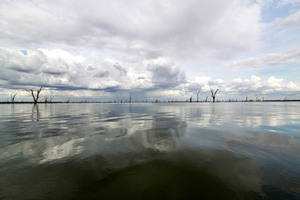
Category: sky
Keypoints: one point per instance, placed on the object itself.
(102, 50)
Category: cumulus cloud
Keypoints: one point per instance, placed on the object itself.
(165, 74)
(42, 67)
(257, 86)
(253, 85)
(18, 61)
(162, 77)
(62, 70)
(239, 88)
(122, 70)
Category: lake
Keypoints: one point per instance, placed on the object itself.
(243, 150)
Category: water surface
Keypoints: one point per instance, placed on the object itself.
(150, 151)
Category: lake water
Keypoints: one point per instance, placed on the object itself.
(150, 151)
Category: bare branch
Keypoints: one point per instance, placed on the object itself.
(38, 93)
(12, 97)
(213, 94)
(35, 99)
(198, 94)
(51, 98)
(216, 92)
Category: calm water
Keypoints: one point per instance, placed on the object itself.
(150, 151)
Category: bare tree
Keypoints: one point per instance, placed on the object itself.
(36, 98)
(48, 98)
(256, 98)
(191, 98)
(12, 97)
(213, 94)
(67, 100)
(198, 94)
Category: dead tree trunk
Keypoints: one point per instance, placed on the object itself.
(198, 94)
(191, 99)
(48, 99)
(130, 98)
(213, 94)
(13, 98)
(36, 98)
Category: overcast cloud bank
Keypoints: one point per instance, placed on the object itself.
(107, 49)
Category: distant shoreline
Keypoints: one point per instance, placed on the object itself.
(126, 102)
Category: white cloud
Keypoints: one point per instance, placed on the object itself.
(142, 45)
(275, 82)
(283, 31)
(165, 74)
(174, 28)
(267, 60)
(59, 69)
(252, 87)
(289, 21)
(16, 60)
(257, 86)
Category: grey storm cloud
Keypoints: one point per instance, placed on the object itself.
(122, 70)
(102, 74)
(165, 75)
(60, 68)
(195, 87)
(18, 61)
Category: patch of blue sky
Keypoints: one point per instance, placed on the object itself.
(288, 72)
(38, 46)
(276, 42)
(275, 9)
(274, 46)
(24, 52)
(287, 37)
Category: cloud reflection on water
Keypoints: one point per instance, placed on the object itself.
(231, 141)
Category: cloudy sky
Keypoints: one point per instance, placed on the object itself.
(166, 49)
